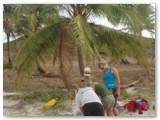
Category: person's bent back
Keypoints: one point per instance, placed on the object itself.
(89, 102)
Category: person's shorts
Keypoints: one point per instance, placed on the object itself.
(108, 101)
(93, 109)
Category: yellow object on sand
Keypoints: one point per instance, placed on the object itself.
(50, 103)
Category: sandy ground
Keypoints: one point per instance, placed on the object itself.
(18, 107)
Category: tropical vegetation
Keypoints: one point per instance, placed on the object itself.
(66, 31)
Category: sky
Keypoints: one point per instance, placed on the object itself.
(157, 66)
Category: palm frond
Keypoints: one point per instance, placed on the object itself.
(124, 14)
(34, 49)
(23, 26)
(49, 15)
(32, 20)
(119, 43)
(82, 34)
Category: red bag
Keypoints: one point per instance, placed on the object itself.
(131, 106)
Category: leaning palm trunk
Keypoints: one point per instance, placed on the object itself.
(80, 61)
(61, 65)
(8, 49)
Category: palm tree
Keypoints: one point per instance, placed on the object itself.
(31, 18)
(73, 33)
(148, 24)
(8, 22)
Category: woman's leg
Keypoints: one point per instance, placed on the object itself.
(115, 111)
(109, 112)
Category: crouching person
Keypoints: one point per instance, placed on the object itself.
(88, 101)
(107, 98)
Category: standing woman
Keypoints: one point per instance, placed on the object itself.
(111, 80)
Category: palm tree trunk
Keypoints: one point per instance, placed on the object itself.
(61, 67)
(8, 49)
(80, 61)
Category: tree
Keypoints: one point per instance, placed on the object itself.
(31, 18)
(8, 22)
(73, 33)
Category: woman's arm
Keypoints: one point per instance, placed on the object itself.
(115, 71)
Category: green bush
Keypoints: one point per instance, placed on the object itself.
(124, 94)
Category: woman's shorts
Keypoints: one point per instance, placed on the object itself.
(108, 101)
